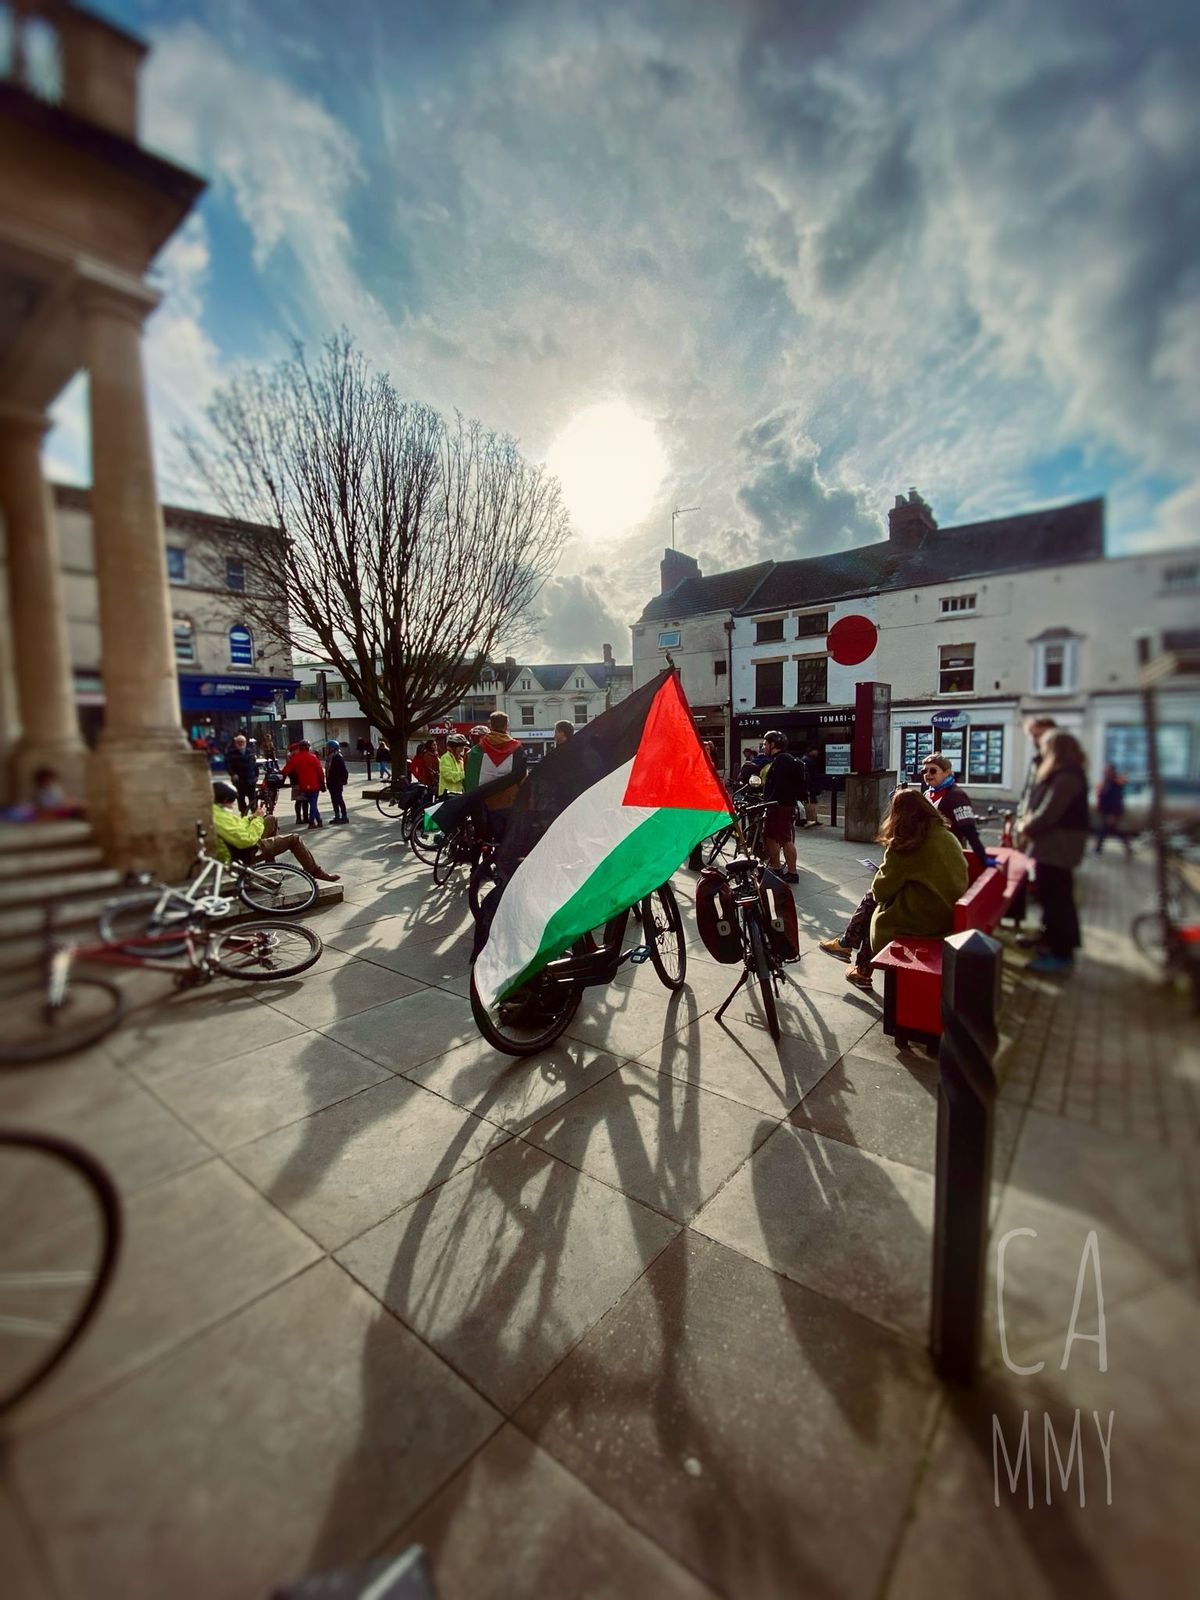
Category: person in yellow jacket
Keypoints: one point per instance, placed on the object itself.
(453, 764)
(246, 838)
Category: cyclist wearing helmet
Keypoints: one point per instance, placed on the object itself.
(247, 838)
(453, 764)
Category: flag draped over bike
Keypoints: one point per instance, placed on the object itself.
(605, 819)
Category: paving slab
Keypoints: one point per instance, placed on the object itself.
(515, 1522)
(401, 1034)
(505, 1267)
(889, 1110)
(514, 1091)
(196, 1248)
(340, 1171)
(748, 1426)
(318, 999)
(853, 1225)
(194, 1030)
(250, 1095)
(628, 1021)
(741, 1062)
(663, 1141)
(295, 1437)
(25, 1576)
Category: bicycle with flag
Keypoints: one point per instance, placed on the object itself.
(598, 829)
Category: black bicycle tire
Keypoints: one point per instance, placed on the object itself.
(1155, 947)
(762, 971)
(240, 929)
(717, 846)
(483, 873)
(108, 1200)
(671, 906)
(527, 1047)
(290, 871)
(447, 861)
(12, 1055)
(390, 799)
(418, 842)
(132, 940)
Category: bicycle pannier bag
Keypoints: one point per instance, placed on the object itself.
(716, 916)
(779, 911)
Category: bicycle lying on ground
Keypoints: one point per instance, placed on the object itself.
(275, 887)
(67, 1010)
(762, 962)
(542, 1008)
(58, 1253)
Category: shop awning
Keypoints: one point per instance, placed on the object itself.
(204, 692)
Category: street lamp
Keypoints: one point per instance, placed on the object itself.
(679, 511)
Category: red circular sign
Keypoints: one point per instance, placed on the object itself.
(852, 639)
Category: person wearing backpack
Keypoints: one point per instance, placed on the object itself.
(784, 788)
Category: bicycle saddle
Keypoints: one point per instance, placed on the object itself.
(741, 864)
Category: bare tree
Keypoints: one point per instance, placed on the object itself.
(402, 548)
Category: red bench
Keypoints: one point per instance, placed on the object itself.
(912, 968)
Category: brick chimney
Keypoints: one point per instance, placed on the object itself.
(608, 655)
(675, 567)
(910, 520)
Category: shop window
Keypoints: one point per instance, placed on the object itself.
(185, 641)
(976, 753)
(985, 755)
(235, 574)
(915, 745)
(768, 683)
(813, 626)
(1055, 666)
(580, 715)
(769, 632)
(956, 605)
(956, 669)
(176, 564)
(527, 716)
(812, 680)
(241, 646)
(1125, 748)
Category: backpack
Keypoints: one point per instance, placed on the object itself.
(716, 916)
(779, 914)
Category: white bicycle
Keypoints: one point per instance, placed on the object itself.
(276, 887)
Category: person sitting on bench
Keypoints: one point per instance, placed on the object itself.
(912, 895)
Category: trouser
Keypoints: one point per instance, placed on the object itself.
(1111, 824)
(1056, 891)
(247, 793)
(858, 931)
(340, 813)
(290, 844)
(299, 803)
(312, 802)
(810, 811)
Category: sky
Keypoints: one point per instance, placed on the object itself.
(777, 260)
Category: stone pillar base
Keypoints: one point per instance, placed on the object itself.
(866, 801)
(145, 797)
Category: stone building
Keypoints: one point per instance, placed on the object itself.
(84, 210)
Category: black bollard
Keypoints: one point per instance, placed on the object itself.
(966, 1097)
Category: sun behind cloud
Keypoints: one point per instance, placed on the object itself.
(611, 465)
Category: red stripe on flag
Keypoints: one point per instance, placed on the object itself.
(671, 767)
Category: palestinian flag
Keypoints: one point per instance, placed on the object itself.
(606, 818)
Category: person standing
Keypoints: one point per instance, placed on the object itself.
(452, 765)
(337, 776)
(383, 757)
(1054, 831)
(784, 789)
(310, 780)
(562, 732)
(242, 767)
(814, 778)
(1110, 803)
(496, 758)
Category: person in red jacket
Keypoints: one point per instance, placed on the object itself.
(310, 779)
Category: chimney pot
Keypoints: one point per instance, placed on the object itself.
(910, 520)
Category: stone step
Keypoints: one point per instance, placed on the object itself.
(37, 863)
(18, 837)
(17, 894)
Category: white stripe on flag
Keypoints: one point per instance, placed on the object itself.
(561, 862)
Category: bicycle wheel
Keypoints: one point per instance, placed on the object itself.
(34, 1031)
(529, 1020)
(448, 857)
(762, 971)
(137, 924)
(719, 846)
(389, 806)
(1151, 933)
(424, 842)
(261, 951)
(277, 887)
(58, 1253)
(663, 929)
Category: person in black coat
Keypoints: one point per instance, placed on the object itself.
(784, 788)
(337, 776)
(242, 767)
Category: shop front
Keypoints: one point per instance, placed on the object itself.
(215, 708)
(829, 731)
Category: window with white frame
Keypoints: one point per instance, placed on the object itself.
(1055, 665)
(176, 564)
(527, 716)
(813, 625)
(812, 680)
(1182, 578)
(235, 573)
(669, 639)
(956, 669)
(241, 646)
(769, 631)
(579, 683)
(184, 635)
(580, 715)
(956, 605)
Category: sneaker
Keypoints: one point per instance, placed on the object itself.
(790, 877)
(1030, 941)
(1049, 963)
(835, 947)
(860, 979)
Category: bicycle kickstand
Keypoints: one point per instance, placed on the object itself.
(723, 1007)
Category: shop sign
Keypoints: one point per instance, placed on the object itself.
(837, 760)
(949, 719)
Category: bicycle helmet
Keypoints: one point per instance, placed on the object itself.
(458, 738)
(223, 791)
(478, 731)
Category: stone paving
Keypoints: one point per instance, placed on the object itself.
(643, 1316)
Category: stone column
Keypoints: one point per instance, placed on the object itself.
(41, 662)
(151, 788)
